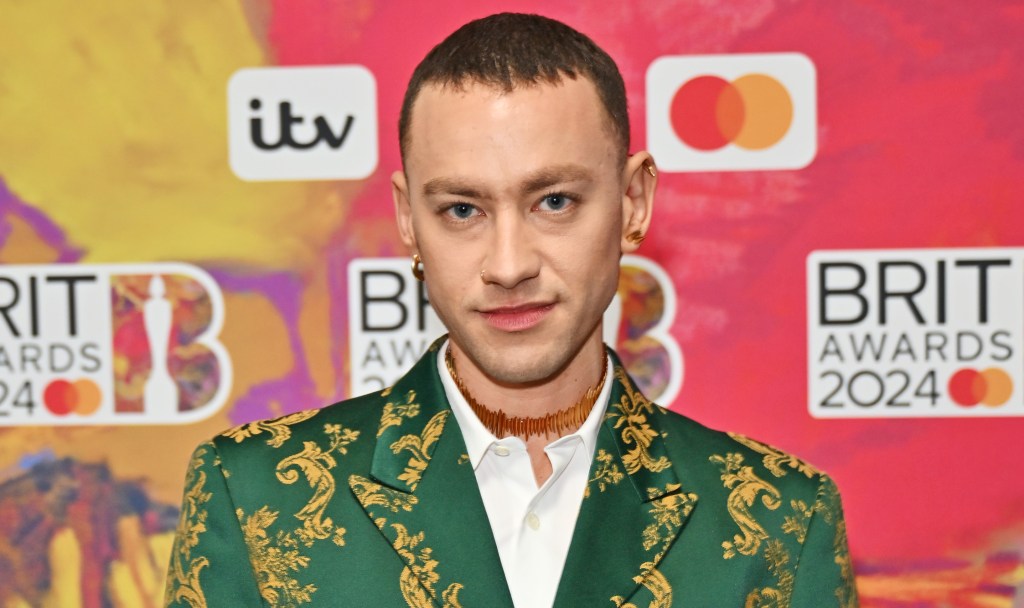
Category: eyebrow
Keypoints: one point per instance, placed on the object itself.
(451, 185)
(550, 176)
(534, 182)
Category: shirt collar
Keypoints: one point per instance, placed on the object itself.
(478, 438)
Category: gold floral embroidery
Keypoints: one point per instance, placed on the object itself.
(419, 446)
(828, 505)
(781, 595)
(606, 475)
(184, 576)
(746, 486)
(278, 428)
(631, 417)
(796, 524)
(418, 576)
(655, 582)
(450, 596)
(316, 463)
(774, 459)
(668, 512)
(371, 494)
(846, 592)
(394, 412)
(339, 536)
(274, 560)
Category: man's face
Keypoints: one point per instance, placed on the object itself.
(516, 203)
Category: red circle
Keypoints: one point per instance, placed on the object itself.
(698, 109)
(967, 387)
(60, 397)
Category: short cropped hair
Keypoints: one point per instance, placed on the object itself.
(509, 50)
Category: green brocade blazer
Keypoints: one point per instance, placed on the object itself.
(372, 502)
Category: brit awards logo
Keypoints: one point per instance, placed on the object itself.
(391, 324)
(302, 123)
(732, 112)
(916, 333)
(110, 344)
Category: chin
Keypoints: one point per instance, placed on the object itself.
(526, 367)
(518, 375)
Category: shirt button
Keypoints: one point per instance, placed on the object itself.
(533, 521)
(501, 450)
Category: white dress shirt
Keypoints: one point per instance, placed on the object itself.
(532, 526)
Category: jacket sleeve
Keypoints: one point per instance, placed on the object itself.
(824, 575)
(209, 564)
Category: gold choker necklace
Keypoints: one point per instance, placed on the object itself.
(555, 423)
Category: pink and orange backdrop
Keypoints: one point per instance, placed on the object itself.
(114, 131)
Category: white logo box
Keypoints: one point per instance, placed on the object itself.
(945, 310)
(796, 150)
(42, 306)
(324, 102)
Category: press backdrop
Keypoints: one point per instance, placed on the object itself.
(181, 252)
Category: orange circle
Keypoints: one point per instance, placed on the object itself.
(999, 387)
(769, 111)
(89, 397)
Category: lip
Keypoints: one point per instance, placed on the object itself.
(516, 318)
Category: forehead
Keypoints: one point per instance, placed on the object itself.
(485, 130)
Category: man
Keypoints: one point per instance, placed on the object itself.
(516, 463)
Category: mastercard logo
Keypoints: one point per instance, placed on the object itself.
(754, 112)
(969, 387)
(732, 112)
(82, 397)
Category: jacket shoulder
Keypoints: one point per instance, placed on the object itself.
(762, 515)
(710, 457)
(350, 419)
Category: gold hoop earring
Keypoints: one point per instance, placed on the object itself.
(636, 237)
(417, 267)
(649, 167)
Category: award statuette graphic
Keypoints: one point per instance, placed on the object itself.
(161, 392)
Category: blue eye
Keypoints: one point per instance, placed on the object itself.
(462, 211)
(555, 202)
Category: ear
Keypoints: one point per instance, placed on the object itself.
(640, 177)
(403, 209)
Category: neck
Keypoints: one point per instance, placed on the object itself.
(582, 375)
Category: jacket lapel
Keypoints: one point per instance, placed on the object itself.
(633, 510)
(423, 497)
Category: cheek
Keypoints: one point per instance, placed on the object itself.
(589, 263)
(450, 273)
(445, 298)
(437, 245)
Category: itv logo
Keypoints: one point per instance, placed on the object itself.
(302, 123)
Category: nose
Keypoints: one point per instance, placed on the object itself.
(512, 254)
